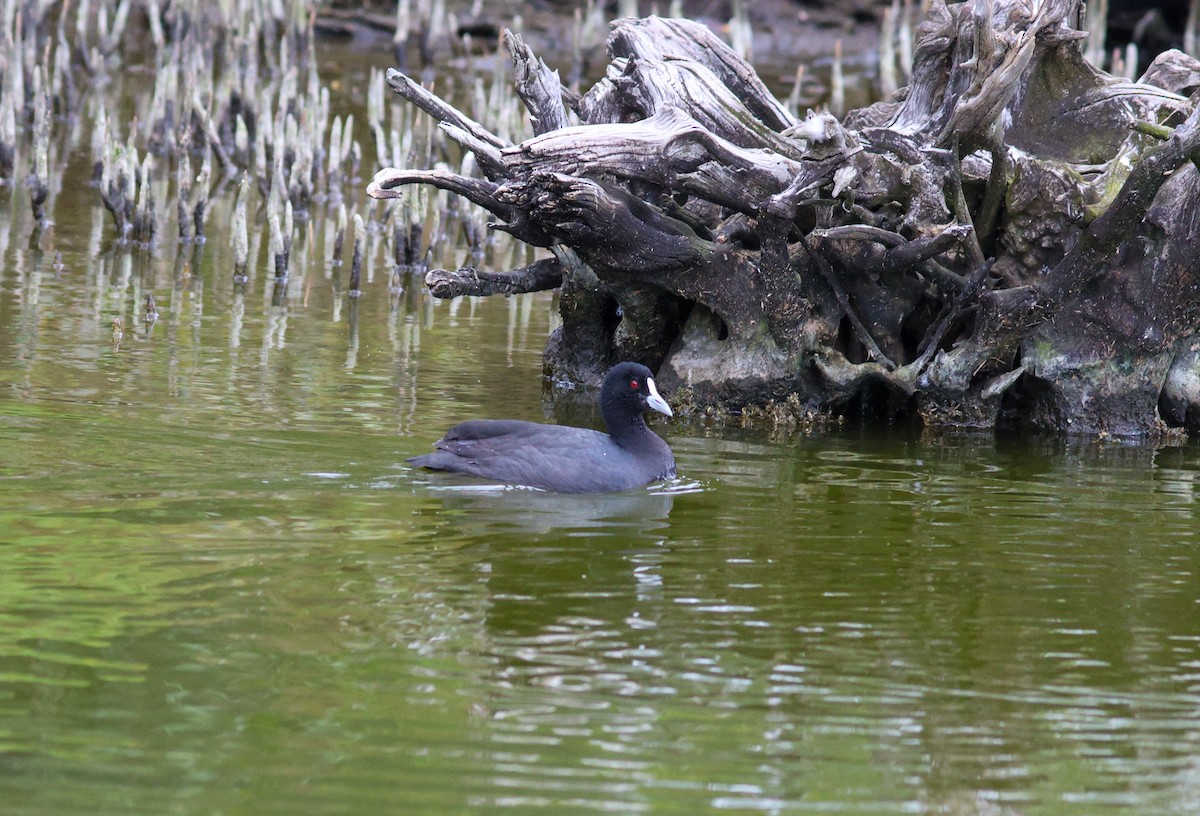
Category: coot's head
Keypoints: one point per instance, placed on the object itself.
(628, 390)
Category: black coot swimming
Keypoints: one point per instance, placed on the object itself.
(562, 458)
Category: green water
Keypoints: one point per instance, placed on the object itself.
(222, 591)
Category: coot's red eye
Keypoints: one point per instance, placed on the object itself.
(633, 384)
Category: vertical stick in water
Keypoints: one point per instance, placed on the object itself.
(888, 82)
(837, 82)
(1191, 30)
(8, 131)
(360, 245)
(416, 232)
(1097, 27)
(339, 237)
(260, 148)
(241, 239)
(400, 38)
(333, 162)
(741, 32)
(347, 147)
(183, 182)
(399, 233)
(277, 252)
(146, 218)
(279, 245)
(241, 141)
(794, 98)
(39, 187)
(201, 210)
(99, 145)
(904, 34)
(288, 227)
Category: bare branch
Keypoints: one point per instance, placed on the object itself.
(536, 277)
(903, 253)
(538, 86)
(479, 191)
(438, 108)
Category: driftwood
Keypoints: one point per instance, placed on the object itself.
(1008, 243)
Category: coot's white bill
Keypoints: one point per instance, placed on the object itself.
(655, 401)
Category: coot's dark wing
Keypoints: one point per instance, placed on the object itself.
(474, 429)
(468, 442)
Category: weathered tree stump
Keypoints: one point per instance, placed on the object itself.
(1008, 242)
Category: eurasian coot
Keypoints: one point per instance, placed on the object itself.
(562, 458)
